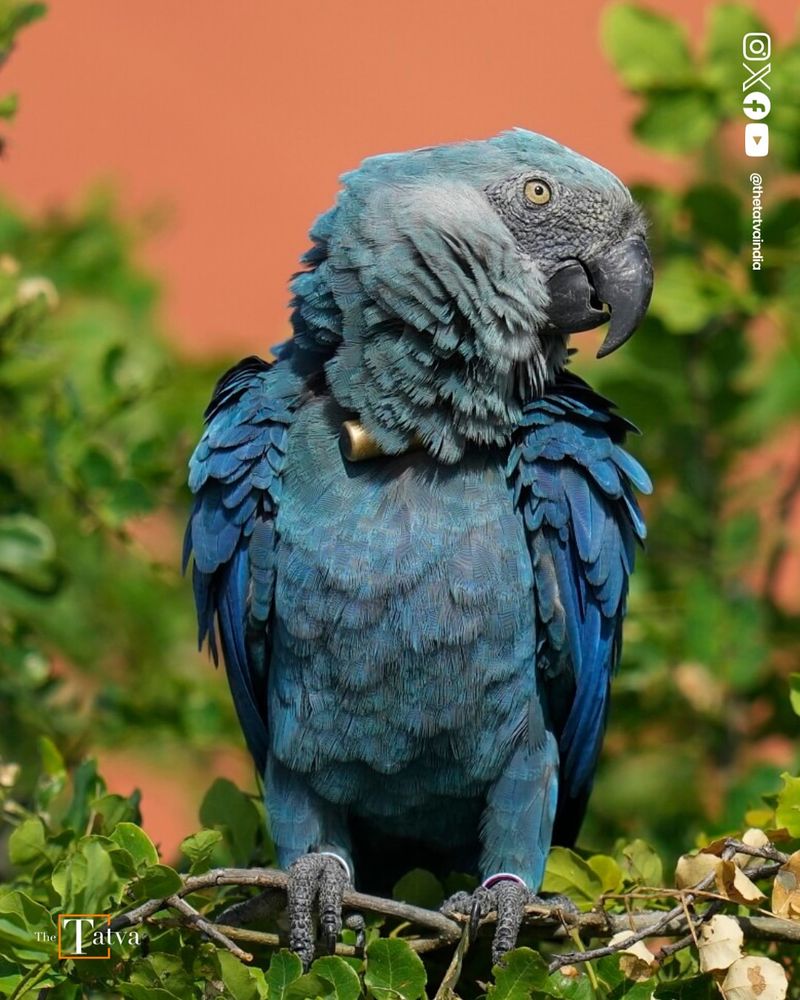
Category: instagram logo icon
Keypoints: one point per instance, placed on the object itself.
(756, 46)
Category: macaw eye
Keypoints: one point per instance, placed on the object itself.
(537, 192)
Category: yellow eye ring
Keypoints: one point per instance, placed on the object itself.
(538, 192)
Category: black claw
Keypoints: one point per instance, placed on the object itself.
(331, 926)
(475, 914)
(355, 922)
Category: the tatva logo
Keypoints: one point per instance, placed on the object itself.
(89, 935)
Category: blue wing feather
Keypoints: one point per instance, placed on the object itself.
(575, 485)
(235, 476)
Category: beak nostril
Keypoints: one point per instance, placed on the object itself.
(596, 303)
(574, 304)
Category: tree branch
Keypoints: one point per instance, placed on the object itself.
(191, 916)
(270, 878)
(440, 931)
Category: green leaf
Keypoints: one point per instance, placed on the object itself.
(577, 987)
(520, 973)
(15, 15)
(87, 786)
(421, 888)
(228, 808)
(242, 982)
(568, 874)
(307, 987)
(724, 630)
(27, 552)
(157, 882)
(9, 105)
(9, 978)
(343, 978)
(162, 971)
(135, 841)
(794, 692)
(284, 969)
(716, 214)
(394, 971)
(608, 870)
(616, 986)
(69, 880)
(87, 880)
(776, 399)
(647, 49)
(787, 812)
(677, 121)
(97, 469)
(52, 761)
(115, 809)
(686, 298)
(693, 988)
(139, 991)
(27, 845)
(641, 864)
(199, 849)
(630, 990)
(128, 498)
(24, 927)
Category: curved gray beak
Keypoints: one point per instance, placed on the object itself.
(622, 279)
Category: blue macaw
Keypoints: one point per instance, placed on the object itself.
(413, 531)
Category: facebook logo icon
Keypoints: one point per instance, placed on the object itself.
(756, 105)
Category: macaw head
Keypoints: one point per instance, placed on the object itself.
(446, 281)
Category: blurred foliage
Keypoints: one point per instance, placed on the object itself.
(701, 725)
(97, 416)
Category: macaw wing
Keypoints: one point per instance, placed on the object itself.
(235, 474)
(575, 486)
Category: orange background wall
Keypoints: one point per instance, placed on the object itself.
(240, 116)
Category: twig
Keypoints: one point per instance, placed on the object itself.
(195, 918)
(442, 931)
(770, 852)
(691, 937)
(30, 979)
(447, 987)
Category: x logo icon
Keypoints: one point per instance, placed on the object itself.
(756, 76)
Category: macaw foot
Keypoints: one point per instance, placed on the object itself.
(507, 895)
(316, 885)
